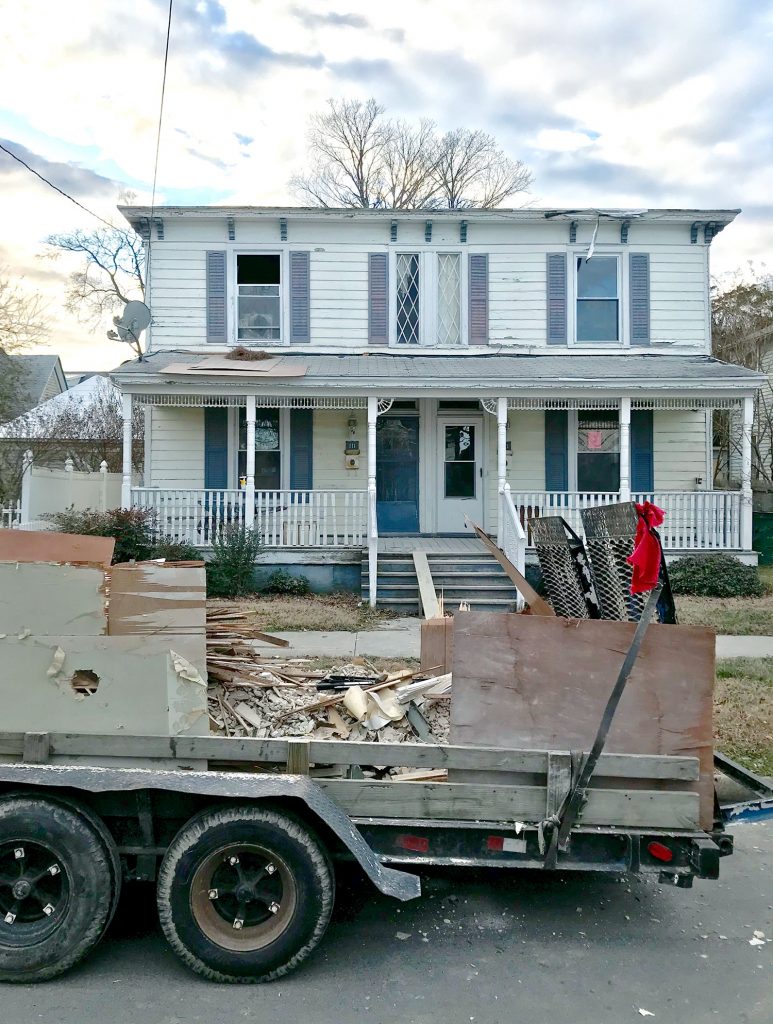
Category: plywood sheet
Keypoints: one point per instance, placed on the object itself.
(157, 597)
(48, 546)
(42, 598)
(437, 645)
(146, 685)
(243, 368)
(525, 681)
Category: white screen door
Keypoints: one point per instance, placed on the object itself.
(460, 481)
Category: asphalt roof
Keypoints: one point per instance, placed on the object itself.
(485, 369)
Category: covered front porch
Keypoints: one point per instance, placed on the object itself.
(335, 471)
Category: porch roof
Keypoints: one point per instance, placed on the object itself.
(479, 374)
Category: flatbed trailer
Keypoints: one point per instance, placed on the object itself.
(240, 835)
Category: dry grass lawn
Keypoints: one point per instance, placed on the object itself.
(324, 612)
(743, 712)
(731, 616)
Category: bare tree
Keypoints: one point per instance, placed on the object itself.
(111, 274)
(362, 158)
(23, 323)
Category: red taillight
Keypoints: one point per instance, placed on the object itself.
(660, 851)
(495, 843)
(419, 844)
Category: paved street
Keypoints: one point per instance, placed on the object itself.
(499, 948)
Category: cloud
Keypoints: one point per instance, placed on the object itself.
(330, 18)
(68, 177)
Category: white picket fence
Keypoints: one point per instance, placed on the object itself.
(10, 516)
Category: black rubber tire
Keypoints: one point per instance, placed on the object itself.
(80, 849)
(300, 852)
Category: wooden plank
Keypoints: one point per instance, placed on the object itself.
(559, 780)
(468, 802)
(36, 748)
(537, 604)
(429, 601)
(404, 755)
(297, 757)
(437, 644)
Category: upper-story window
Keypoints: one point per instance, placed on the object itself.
(408, 298)
(449, 298)
(258, 280)
(598, 298)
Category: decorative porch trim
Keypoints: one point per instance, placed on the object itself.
(261, 401)
(489, 405)
(687, 403)
(664, 402)
(384, 405)
(561, 403)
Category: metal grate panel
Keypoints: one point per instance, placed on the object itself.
(610, 531)
(565, 569)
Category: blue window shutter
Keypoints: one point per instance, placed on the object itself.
(378, 299)
(556, 450)
(478, 299)
(216, 447)
(639, 287)
(300, 287)
(556, 287)
(216, 304)
(301, 449)
(642, 451)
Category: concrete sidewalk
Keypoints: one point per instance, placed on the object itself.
(400, 638)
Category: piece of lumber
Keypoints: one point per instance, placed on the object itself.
(437, 644)
(297, 757)
(429, 601)
(537, 604)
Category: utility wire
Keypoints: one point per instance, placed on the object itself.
(158, 136)
(56, 188)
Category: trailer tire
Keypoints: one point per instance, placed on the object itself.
(56, 906)
(245, 893)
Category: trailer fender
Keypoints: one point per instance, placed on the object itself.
(228, 785)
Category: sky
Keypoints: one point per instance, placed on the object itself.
(625, 104)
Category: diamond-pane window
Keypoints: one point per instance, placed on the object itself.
(449, 306)
(408, 298)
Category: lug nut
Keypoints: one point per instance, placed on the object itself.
(212, 894)
(19, 853)
(9, 918)
(238, 922)
(233, 860)
(270, 869)
(49, 909)
(274, 908)
(54, 869)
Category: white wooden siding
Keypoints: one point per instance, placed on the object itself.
(330, 436)
(680, 450)
(526, 469)
(176, 456)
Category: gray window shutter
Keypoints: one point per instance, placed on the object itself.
(556, 450)
(642, 451)
(478, 299)
(639, 286)
(300, 323)
(216, 304)
(301, 449)
(557, 299)
(378, 299)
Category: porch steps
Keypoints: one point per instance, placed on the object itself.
(468, 576)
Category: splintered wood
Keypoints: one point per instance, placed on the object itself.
(257, 692)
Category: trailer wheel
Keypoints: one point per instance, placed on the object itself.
(56, 888)
(245, 893)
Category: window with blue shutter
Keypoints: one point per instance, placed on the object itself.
(639, 292)
(378, 299)
(300, 322)
(301, 449)
(478, 299)
(556, 450)
(556, 298)
(642, 451)
(216, 298)
(215, 448)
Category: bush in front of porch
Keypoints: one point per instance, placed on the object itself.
(715, 576)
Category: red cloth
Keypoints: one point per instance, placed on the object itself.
(646, 552)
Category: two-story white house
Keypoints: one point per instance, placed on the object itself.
(408, 370)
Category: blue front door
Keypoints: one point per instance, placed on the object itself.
(397, 474)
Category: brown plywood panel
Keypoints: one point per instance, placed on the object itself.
(157, 597)
(525, 681)
(48, 546)
(42, 598)
(437, 645)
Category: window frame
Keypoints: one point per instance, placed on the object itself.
(572, 298)
(284, 447)
(428, 294)
(284, 295)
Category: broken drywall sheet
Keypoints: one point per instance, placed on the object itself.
(157, 597)
(49, 546)
(137, 685)
(45, 598)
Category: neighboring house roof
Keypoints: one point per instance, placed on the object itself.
(42, 378)
(78, 376)
(489, 373)
(36, 422)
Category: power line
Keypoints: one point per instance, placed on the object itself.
(56, 188)
(158, 136)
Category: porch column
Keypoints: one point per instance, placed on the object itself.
(126, 468)
(746, 474)
(372, 521)
(625, 449)
(501, 463)
(249, 487)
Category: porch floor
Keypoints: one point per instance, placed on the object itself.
(405, 545)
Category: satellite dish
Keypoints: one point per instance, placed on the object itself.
(135, 318)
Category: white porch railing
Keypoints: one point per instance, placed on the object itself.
(10, 516)
(700, 520)
(513, 538)
(283, 518)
